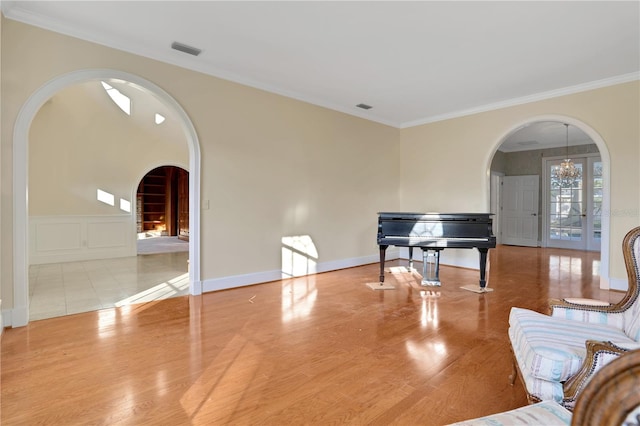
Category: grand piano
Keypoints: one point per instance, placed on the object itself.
(433, 232)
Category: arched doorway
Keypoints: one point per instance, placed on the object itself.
(162, 210)
(604, 170)
(20, 314)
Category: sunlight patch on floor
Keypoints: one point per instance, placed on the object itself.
(174, 287)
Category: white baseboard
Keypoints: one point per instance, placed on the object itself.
(5, 317)
(235, 281)
(225, 283)
(18, 317)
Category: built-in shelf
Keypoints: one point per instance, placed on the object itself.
(163, 202)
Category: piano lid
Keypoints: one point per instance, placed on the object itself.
(433, 216)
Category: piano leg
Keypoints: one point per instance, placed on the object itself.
(410, 258)
(383, 250)
(430, 277)
(483, 266)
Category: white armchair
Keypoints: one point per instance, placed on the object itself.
(556, 355)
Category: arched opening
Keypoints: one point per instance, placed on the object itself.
(20, 313)
(162, 211)
(543, 158)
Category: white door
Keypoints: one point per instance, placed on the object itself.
(573, 208)
(520, 210)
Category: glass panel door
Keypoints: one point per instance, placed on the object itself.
(566, 208)
(575, 205)
(594, 229)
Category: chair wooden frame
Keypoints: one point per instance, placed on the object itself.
(633, 290)
(574, 386)
(612, 394)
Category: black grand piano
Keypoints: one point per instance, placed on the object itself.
(433, 232)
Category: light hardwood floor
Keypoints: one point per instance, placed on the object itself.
(323, 349)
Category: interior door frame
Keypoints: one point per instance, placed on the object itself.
(587, 199)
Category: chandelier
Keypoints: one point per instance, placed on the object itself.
(567, 172)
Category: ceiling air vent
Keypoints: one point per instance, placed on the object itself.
(364, 106)
(186, 49)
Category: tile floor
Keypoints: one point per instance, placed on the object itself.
(68, 288)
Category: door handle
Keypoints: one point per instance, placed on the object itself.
(534, 214)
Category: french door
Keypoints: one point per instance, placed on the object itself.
(573, 208)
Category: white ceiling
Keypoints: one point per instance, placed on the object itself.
(543, 135)
(414, 62)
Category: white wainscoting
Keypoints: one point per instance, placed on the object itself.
(55, 239)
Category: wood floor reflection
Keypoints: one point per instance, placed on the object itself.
(322, 349)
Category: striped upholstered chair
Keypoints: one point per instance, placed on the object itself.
(556, 355)
(612, 397)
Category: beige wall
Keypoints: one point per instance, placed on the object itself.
(449, 161)
(80, 141)
(271, 166)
